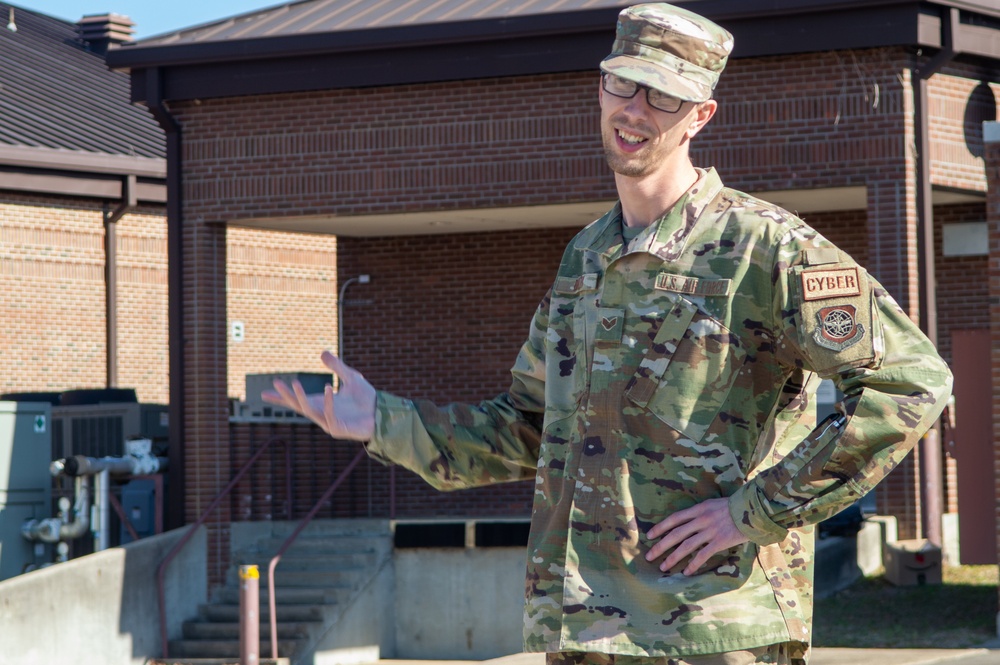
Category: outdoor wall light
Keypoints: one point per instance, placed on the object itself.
(360, 279)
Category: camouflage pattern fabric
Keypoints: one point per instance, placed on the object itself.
(678, 369)
(773, 654)
(670, 49)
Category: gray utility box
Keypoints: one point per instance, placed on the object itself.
(255, 407)
(25, 483)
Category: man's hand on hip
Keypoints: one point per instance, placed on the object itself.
(701, 530)
(347, 414)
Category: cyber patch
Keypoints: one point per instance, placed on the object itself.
(831, 283)
(838, 327)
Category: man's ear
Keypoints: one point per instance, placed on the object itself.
(703, 112)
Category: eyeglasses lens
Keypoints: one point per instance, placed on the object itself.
(620, 87)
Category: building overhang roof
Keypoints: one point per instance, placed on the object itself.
(61, 172)
(195, 64)
(68, 126)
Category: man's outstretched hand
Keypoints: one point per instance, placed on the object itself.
(703, 529)
(347, 414)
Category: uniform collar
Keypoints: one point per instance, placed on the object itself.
(668, 235)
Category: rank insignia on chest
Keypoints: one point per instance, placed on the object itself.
(838, 328)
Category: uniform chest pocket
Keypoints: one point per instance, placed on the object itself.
(691, 366)
(566, 343)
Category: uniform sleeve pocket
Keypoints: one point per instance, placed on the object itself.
(688, 374)
(566, 343)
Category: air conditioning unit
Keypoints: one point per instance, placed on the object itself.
(100, 430)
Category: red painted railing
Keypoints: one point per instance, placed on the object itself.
(295, 534)
(161, 569)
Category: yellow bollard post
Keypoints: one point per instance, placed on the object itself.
(249, 615)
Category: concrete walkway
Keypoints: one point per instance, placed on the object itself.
(988, 654)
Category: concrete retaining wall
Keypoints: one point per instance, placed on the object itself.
(101, 609)
(464, 604)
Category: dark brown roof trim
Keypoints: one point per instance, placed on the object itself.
(469, 33)
(521, 45)
(71, 173)
(91, 186)
(86, 162)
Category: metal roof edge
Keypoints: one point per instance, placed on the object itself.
(82, 162)
(523, 45)
(392, 37)
(137, 55)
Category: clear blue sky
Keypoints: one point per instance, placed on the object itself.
(152, 17)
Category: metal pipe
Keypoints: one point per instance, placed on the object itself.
(129, 202)
(102, 511)
(110, 299)
(81, 465)
(931, 457)
(360, 279)
(57, 529)
(249, 615)
(175, 293)
(81, 511)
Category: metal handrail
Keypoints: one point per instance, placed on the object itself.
(291, 539)
(161, 569)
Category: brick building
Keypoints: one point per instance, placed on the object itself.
(453, 149)
(83, 235)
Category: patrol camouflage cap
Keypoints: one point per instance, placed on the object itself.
(670, 49)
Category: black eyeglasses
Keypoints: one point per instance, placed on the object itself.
(619, 87)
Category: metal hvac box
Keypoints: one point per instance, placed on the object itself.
(25, 483)
(100, 430)
(255, 407)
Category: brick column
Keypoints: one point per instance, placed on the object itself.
(892, 238)
(207, 459)
(991, 139)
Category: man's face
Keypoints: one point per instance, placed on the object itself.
(640, 140)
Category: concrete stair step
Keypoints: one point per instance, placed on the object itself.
(228, 648)
(230, 595)
(332, 579)
(340, 545)
(289, 576)
(313, 559)
(227, 613)
(322, 528)
(210, 630)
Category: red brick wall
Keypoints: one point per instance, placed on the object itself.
(444, 316)
(283, 288)
(846, 229)
(496, 142)
(963, 304)
(826, 120)
(53, 304)
(963, 296)
(960, 100)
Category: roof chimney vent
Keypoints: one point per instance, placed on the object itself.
(103, 31)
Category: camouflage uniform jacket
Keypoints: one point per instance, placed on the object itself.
(679, 369)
